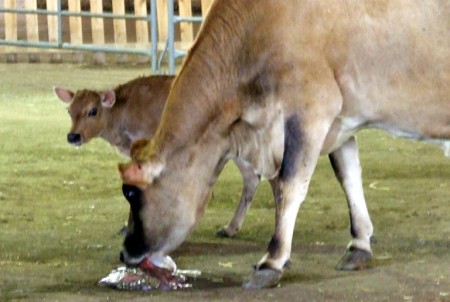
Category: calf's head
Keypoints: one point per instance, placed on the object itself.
(89, 111)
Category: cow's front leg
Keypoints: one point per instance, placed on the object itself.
(346, 166)
(299, 160)
(308, 118)
(251, 181)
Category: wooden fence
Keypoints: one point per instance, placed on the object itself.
(37, 27)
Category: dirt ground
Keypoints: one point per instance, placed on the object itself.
(61, 209)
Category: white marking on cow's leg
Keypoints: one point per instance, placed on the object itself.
(446, 146)
(251, 181)
(346, 165)
(289, 198)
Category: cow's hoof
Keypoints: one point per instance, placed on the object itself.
(264, 278)
(354, 259)
(222, 233)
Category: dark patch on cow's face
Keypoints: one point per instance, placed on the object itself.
(133, 195)
(134, 243)
(292, 145)
(274, 246)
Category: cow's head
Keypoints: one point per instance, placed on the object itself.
(217, 109)
(168, 197)
(168, 191)
(88, 111)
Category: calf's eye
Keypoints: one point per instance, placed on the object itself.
(92, 112)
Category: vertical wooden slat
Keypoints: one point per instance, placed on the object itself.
(142, 38)
(52, 24)
(98, 30)
(32, 30)
(120, 30)
(186, 28)
(206, 4)
(76, 28)
(11, 30)
(162, 20)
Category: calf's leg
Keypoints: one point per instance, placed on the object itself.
(251, 181)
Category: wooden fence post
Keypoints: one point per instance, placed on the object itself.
(11, 30)
(32, 30)
(120, 29)
(76, 29)
(142, 38)
(162, 21)
(206, 4)
(52, 24)
(98, 30)
(186, 28)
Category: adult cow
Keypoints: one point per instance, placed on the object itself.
(278, 83)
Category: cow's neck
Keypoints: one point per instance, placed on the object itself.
(207, 87)
(231, 89)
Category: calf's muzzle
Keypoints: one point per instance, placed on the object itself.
(74, 138)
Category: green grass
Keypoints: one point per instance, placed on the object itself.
(61, 207)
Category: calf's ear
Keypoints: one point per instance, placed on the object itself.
(63, 94)
(108, 98)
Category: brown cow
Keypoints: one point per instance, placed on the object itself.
(277, 84)
(132, 111)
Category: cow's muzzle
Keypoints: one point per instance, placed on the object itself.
(131, 261)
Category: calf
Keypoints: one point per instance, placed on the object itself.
(130, 112)
(120, 116)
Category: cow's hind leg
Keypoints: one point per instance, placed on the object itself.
(345, 162)
(251, 181)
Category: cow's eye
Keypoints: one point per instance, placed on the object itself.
(92, 112)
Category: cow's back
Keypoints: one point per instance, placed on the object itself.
(398, 59)
(390, 59)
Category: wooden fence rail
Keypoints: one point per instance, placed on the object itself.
(77, 27)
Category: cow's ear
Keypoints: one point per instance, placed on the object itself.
(140, 174)
(108, 98)
(152, 169)
(147, 163)
(63, 94)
